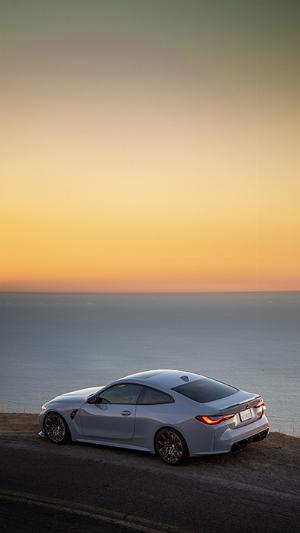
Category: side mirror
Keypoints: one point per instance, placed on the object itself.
(94, 399)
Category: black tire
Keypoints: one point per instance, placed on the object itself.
(56, 428)
(170, 446)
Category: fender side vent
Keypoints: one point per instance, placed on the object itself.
(72, 415)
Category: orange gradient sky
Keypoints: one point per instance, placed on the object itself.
(149, 150)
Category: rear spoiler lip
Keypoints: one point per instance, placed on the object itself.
(235, 408)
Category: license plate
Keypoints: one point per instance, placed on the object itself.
(246, 415)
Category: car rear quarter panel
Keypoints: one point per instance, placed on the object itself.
(149, 419)
(180, 416)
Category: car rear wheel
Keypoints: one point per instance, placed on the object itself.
(56, 428)
(170, 446)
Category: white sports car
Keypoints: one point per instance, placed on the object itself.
(169, 412)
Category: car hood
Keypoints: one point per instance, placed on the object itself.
(77, 396)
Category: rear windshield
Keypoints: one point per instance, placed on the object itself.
(205, 390)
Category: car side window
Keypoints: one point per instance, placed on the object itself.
(122, 393)
(151, 396)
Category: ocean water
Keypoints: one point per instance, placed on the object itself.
(54, 343)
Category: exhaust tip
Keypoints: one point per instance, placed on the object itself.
(260, 436)
(239, 445)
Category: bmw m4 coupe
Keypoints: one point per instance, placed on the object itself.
(171, 413)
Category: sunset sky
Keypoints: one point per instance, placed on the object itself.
(149, 145)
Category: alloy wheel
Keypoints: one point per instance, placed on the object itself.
(55, 428)
(170, 446)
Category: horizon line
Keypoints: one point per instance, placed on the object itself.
(249, 291)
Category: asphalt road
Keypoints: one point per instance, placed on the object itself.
(19, 517)
(46, 488)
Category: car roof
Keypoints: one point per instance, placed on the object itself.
(163, 378)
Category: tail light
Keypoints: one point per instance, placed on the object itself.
(213, 420)
(260, 403)
(260, 406)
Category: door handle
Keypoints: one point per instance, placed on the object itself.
(126, 413)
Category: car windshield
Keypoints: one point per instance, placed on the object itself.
(205, 390)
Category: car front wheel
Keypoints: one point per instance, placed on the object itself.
(170, 446)
(56, 428)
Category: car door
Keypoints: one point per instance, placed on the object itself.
(112, 416)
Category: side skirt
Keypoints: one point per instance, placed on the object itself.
(114, 444)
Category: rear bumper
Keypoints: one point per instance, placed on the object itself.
(234, 438)
(254, 438)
